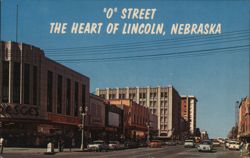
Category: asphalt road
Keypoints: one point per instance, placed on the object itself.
(164, 152)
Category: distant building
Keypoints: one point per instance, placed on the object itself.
(244, 119)
(165, 102)
(39, 97)
(135, 117)
(96, 115)
(188, 113)
(204, 135)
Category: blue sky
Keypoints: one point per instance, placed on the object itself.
(217, 80)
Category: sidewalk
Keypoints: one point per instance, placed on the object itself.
(35, 150)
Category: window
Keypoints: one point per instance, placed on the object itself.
(76, 100)
(49, 91)
(16, 83)
(122, 96)
(59, 94)
(142, 95)
(26, 83)
(5, 82)
(103, 96)
(35, 85)
(84, 95)
(68, 95)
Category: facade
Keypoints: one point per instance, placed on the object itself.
(96, 113)
(39, 98)
(164, 102)
(188, 113)
(136, 117)
(114, 122)
(244, 119)
(204, 135)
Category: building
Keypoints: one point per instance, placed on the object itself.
(39, 98)
(114, 122)
(96, 113)
(136, 117)
(204, 135)
(188, 113)
(164, 102)
(244, 119)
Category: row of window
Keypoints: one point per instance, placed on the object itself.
(27, 85)
(59, 103)
(133, 95)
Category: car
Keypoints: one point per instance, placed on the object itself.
(189, 143)
(155, 144)
(170, 143)
(115, 145)
(130, 144)
(216, 143)
(234, 145)
(98, 145)
(142, 143)
(205, 145)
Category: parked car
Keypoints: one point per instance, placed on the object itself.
(216, 143)
(130, 144)
(115, 145)
(189, 143)
(142, 144)
(234, 145)
(170, 143)
(155, 144)
(97, 145)
(205, 145)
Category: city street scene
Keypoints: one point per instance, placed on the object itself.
(127, 79)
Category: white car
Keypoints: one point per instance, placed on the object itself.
(205, 145)
(189, 143)
(115, 145)
(234, 145)
(97, 145)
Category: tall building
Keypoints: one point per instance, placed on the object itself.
(164, 102)
(39, 97)
(244, 119)
(188, 112)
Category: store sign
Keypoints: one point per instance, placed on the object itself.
(23, 110)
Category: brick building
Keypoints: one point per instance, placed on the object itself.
(244, 119)
(39, 98)
(165, 102)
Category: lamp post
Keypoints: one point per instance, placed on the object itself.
(148, 126)
(83, 113)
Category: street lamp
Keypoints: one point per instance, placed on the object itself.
(83, 113)
(148, 126)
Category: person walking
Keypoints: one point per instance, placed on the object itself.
(2, 145)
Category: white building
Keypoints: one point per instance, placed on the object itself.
(165, 102)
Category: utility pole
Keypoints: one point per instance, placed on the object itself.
(83, 113)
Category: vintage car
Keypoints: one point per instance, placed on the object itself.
(205, 145)
(234, 145)
(155, 144)
(98, 145)
(189, 143)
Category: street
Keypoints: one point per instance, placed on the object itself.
(167, 152)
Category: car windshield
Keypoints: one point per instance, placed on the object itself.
(191, 141)
(206, 142)
(97, 142)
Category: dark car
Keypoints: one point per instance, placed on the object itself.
(130, 144)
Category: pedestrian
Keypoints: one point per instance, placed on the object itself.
(2, 145)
